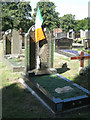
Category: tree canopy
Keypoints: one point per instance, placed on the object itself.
(82, 24)
(50, 16)
(67, 22)
(16, 15)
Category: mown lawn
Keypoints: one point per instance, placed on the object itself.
(70, 70)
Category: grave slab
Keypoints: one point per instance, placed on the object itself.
(70, 94)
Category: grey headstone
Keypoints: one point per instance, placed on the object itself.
(15, 42)
(44, 56)
(63, 43)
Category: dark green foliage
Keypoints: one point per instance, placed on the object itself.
(50, 16)
(16, 15)
(67, 22)
(82, 24)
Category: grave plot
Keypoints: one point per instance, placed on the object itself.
(15, 63)
(58, 92)
(13, 55)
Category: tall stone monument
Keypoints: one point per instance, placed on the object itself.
(46, 53)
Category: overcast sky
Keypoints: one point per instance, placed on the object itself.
(79, 8)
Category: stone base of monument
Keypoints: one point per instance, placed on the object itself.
(46, 71)
(59, 93)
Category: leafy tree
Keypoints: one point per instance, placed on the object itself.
(50, 16)
(67, 22)
(82, 24)
(16, 15)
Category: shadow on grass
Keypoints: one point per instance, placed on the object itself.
(83, 80)
(17, 102)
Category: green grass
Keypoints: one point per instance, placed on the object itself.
(88, 51)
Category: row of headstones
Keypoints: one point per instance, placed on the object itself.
(79, 34)
(73, 35)
(84, 35)
(64, 40)
(13, 42)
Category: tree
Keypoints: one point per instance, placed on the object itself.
(50, 16)
(82, 24)
(16, 15)
(67, 22)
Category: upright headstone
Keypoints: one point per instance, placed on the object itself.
(61, 34)
(7, 42)
(30, 48)
(22, 40)
(63, 43)
(15, 42)
(82, 33)
(71, 34)
(77, 34)
(46, 50)
(86, 41)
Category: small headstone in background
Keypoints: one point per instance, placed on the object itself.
(63, 43)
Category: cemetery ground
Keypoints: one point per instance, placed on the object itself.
(17, 102)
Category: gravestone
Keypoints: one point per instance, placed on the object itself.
(46, 50)
(15, 48)
(7, 42)
(71, 34)
(63, 43)
(77, 34)
(22, 40)
(82, 33)
(61, 34)
(30, 50)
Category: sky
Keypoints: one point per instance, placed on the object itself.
(79, 8)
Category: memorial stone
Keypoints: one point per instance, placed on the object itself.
(86, 41)
(15, 42)
(63, 43)
(61, 34)
(7, 42)
(22, 40)
(46, 50)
